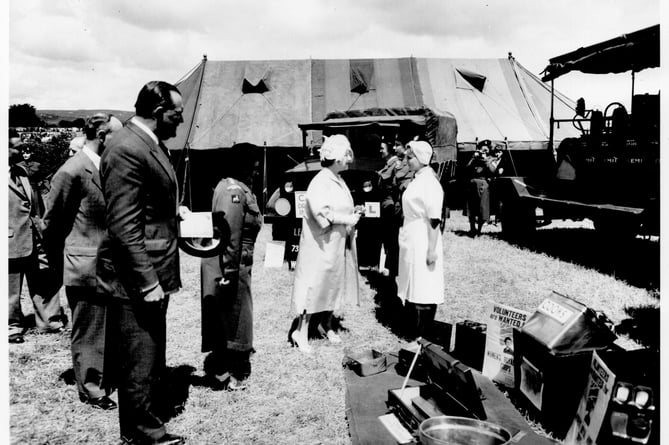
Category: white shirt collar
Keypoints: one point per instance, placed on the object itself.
(94, 157)
(146, 130)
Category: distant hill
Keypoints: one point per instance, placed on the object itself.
(52, 117)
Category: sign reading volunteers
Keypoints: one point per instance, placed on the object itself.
(498, 359)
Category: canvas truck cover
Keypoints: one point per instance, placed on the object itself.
(440, 127)
(635, 51)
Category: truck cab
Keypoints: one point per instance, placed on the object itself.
(366, 130)
(611, 172)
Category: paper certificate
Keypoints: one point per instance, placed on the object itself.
(196, 225)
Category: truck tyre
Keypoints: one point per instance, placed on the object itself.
(518, 219)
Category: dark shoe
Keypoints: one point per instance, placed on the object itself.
(104, 402)
(237, 385)
(166, 439)
(218, 382)
(16, 338)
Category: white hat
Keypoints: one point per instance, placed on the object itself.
(422, 150)
(335, 148)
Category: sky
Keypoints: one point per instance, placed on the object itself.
(91, 54)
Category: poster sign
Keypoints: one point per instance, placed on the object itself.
(274, 253)
(498, 359)
(593, 404)
(300, 204)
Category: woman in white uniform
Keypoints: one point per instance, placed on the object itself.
(326, 272)
(420, 281)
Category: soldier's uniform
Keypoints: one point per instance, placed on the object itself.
(227, 306)
(395, 176)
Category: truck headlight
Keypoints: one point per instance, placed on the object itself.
(288, 187)
(282, 206)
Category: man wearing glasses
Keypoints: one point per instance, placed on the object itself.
(139, 260)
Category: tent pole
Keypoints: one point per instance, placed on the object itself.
(552, 119)
(264, 176)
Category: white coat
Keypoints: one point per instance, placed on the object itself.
(421, 201)
(326, 272)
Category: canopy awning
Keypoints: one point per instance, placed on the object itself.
(630, 52)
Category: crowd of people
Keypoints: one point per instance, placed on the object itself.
(108, 233)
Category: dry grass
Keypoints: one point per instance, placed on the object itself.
(292, 398)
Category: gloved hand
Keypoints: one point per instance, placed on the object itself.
(349, 220)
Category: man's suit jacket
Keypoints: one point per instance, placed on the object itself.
(23, 202)
(75, 220)
(140, 189)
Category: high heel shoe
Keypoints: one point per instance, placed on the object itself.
(333, 337)
(330, 335)
(300, 342)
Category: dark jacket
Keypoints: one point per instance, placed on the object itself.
(140, 189)
(24, 204)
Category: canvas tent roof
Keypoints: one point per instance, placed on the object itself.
(262, 102)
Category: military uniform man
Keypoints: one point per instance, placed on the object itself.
(227, 305)
(395, 176)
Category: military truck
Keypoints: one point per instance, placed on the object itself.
(611, 173)
(365, 129)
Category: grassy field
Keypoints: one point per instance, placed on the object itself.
(297, 399)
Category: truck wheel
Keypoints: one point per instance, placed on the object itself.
(518, 220)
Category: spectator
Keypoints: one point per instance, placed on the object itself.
(74, 226)
(326, 273)
(479, 170)
(391, 209)
(25, 250)
(403, 173)
(421, 262)
(138, 259)
(227, 306)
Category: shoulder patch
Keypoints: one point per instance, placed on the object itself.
(235, 198)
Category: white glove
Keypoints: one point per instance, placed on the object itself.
(349, 220)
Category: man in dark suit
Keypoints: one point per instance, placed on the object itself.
(74, 226)
(138, 260)
(25, 225)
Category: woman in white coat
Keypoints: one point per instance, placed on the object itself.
(326, 272)
(420, 281)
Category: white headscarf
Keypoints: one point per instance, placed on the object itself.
(422, 150)
(335, 148)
